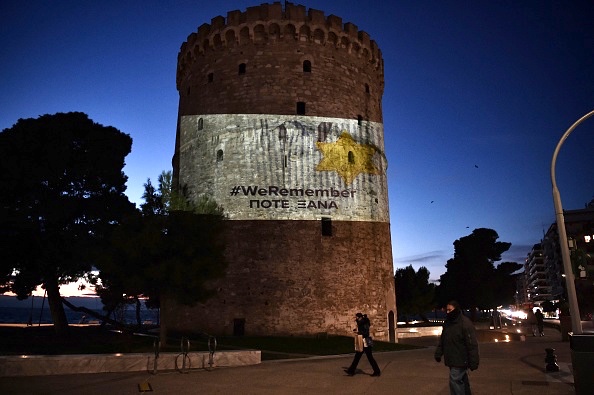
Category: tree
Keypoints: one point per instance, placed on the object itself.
(471, 278)
(164, 252)
(414, 293)
(62, 189)
(548, 306)
(505, 283)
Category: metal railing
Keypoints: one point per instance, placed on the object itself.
(186, 362)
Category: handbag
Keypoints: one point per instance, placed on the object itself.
(358, 343)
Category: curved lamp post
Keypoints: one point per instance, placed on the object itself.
(576, 323)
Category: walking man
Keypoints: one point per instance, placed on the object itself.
(362, 329)
(459, 348)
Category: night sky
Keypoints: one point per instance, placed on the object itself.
(477, 96)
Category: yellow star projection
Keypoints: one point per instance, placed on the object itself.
(347, 157)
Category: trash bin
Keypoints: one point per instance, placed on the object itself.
(582, 359)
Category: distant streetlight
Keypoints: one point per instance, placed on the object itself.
(576, 323)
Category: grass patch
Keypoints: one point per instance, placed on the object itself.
(81, 340)
(97, 340)
(307, 346)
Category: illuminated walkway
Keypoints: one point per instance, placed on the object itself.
(506, 368)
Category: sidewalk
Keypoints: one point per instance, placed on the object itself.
(516, 367)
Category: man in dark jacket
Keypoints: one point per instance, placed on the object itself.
(459, 347)
(362, 329)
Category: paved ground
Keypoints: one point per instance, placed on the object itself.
(506, 368)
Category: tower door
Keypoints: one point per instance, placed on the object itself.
(391, 327)
(239, 327)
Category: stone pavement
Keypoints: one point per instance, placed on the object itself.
(516, 367)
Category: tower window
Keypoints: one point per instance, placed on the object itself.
(326, 226)
(367, 88)
(282, 132)
(351, 157)
(242, 68)
(210, 77)
(200, 124)
(359, 120)
(323, 129)
(220, 155)
(306, 66)
(238, 326)
(300, 108)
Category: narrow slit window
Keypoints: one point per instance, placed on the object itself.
(282, 132)
(200, 124)
(242, 68)
(351, 158)
(306, 66)
(220, 155)
(326, 226)
(359, 120)
(367, 88)
(300, 108)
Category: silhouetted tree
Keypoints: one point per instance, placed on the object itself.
(471, 277)
(505, 283)
(62, 189)
(414, 293)
(164, 253)
(548, 306)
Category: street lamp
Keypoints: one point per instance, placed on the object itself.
(576, 323)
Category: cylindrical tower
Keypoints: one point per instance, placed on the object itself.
(280, 122)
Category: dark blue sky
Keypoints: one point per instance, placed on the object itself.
(477, 96)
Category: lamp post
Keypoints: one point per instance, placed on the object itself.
(576, 323)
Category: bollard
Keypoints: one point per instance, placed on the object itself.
(551, 360)
(156, 348)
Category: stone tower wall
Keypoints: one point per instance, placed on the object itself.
(346, 78)
(304, 188)
(288, 279)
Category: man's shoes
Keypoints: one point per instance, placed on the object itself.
(376, 374)
(349, 372)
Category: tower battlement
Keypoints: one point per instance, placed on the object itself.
(269, 23)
